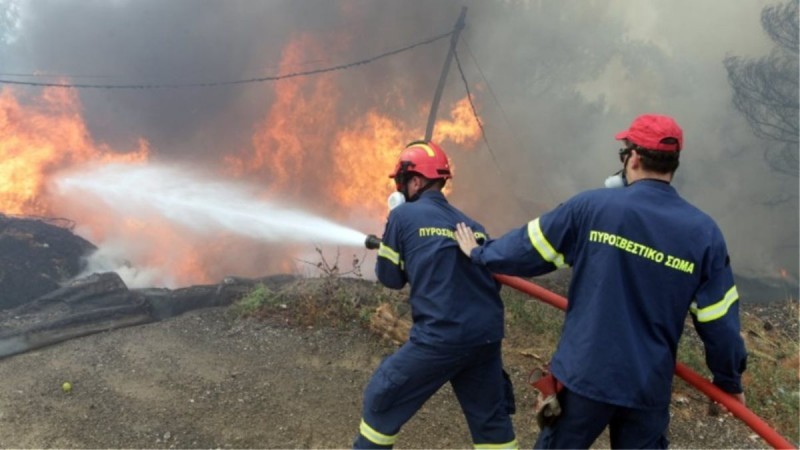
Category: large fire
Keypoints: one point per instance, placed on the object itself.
(303, 148)
(40, 138)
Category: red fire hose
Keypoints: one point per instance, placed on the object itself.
(714, 393)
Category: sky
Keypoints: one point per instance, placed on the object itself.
(553, 81)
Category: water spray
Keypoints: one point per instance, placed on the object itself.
(201, 205)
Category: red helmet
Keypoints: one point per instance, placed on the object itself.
(424, 158)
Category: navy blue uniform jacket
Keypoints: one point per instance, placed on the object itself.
(454, 302)
(642, 258)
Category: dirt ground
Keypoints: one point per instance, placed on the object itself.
(207, 379)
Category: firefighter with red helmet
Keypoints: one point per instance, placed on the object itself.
(642, 258)
(456, 311)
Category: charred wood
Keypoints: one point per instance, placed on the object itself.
(36, 257)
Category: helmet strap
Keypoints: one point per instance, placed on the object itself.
(403, 176)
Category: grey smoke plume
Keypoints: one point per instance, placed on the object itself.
(563, 78)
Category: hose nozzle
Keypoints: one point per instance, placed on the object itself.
(373, 242)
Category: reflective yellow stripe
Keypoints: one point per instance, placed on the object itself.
(425, 147)
(508, 445)
(374, 436)
(541, 245)
(387, 252)
(716, 310)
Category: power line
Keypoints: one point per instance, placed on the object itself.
(40, 74)
(500, 107)
(480, 124)
(229, 82)
(491, 91)
(474, 111)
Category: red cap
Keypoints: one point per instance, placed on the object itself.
(648, 130)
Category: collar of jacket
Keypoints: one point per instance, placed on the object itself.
(652, 183)
(433, 194)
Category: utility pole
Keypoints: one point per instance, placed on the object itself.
(443, 77)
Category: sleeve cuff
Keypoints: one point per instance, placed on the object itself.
(729, 386)
(475, 255)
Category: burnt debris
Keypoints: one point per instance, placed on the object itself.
(36, 256)
(42, 303)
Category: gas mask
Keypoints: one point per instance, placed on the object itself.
(401, 180)
(617, 180)
(395, 199)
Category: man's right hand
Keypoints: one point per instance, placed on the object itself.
(715, 409)
(466, 238)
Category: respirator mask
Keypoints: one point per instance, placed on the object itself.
(401, 180)
(618, 179)
(395, 199)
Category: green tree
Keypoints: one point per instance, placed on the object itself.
(765, 89)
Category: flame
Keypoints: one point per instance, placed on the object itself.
(46, 136)
(343, 164)
(462, 129)
(312, 147)
(292, 139)
(38, 140)
(365, 154)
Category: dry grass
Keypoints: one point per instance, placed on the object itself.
(771, 383)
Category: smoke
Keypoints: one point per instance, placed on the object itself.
(561, 78)
(114, 256)
(195, 208)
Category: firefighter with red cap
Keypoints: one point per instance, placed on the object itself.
(456, 311)
(642, 258)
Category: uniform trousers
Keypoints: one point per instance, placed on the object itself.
(583, 419)
(408, 378)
